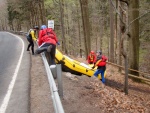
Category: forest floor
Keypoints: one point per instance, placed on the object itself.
(83, 94)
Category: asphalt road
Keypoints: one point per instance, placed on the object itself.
(14, 74)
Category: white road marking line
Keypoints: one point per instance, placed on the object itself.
(11, 85)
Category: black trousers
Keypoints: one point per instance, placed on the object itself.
(51, 54)
(31, 44)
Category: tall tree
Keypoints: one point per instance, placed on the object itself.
(134, 35)
(62, 25)
(111, 43)
(42, 12)
(86, 25)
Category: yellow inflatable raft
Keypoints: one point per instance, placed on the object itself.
(73, 66)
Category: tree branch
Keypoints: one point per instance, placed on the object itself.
(117, 12)
(125, 1)
(137, 18)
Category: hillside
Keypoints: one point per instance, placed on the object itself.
(85, 95)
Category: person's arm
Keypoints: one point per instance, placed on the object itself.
(96, 64)
(88, 58)
(94, 59)
(33, 35)
(40, 38)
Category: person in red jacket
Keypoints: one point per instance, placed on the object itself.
(101, 67)
(91, 57)
(47, 42)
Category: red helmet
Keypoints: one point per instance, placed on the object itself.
(92, 52)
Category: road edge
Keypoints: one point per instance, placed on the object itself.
(19, 100)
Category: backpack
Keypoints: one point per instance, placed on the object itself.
(28, 35)
(48, 32)
(104, 58)
(103, 61)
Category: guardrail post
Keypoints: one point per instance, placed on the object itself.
(53, 70)
(59, 77)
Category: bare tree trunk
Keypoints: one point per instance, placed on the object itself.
(80, 47)
(41, 12)
(79, 32)
(134, 36)
(119, 38)
(124, 53)
(62, 26)
(101, 33)
(67, 27)
(123, 49)
(116, 33)
(97, 37)
(86, 25)
(31, 14)
(111, 47)
(67, 20)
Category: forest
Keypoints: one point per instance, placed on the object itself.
(119, 28)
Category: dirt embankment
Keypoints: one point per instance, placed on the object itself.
(85, 95)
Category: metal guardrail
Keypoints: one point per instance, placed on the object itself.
(55, 96)
(54, 91)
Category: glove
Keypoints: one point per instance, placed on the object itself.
(93, 67)
(58, 43)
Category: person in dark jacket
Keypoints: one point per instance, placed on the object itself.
(31, 38)
(47, 42)
(101, 66)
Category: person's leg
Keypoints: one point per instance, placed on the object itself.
(28, 47)
(32, 47)
(42, 48)
(30, 43)
(96, 72)
(102, 75)
(49, 48)
(52, 54)
(47, 54)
